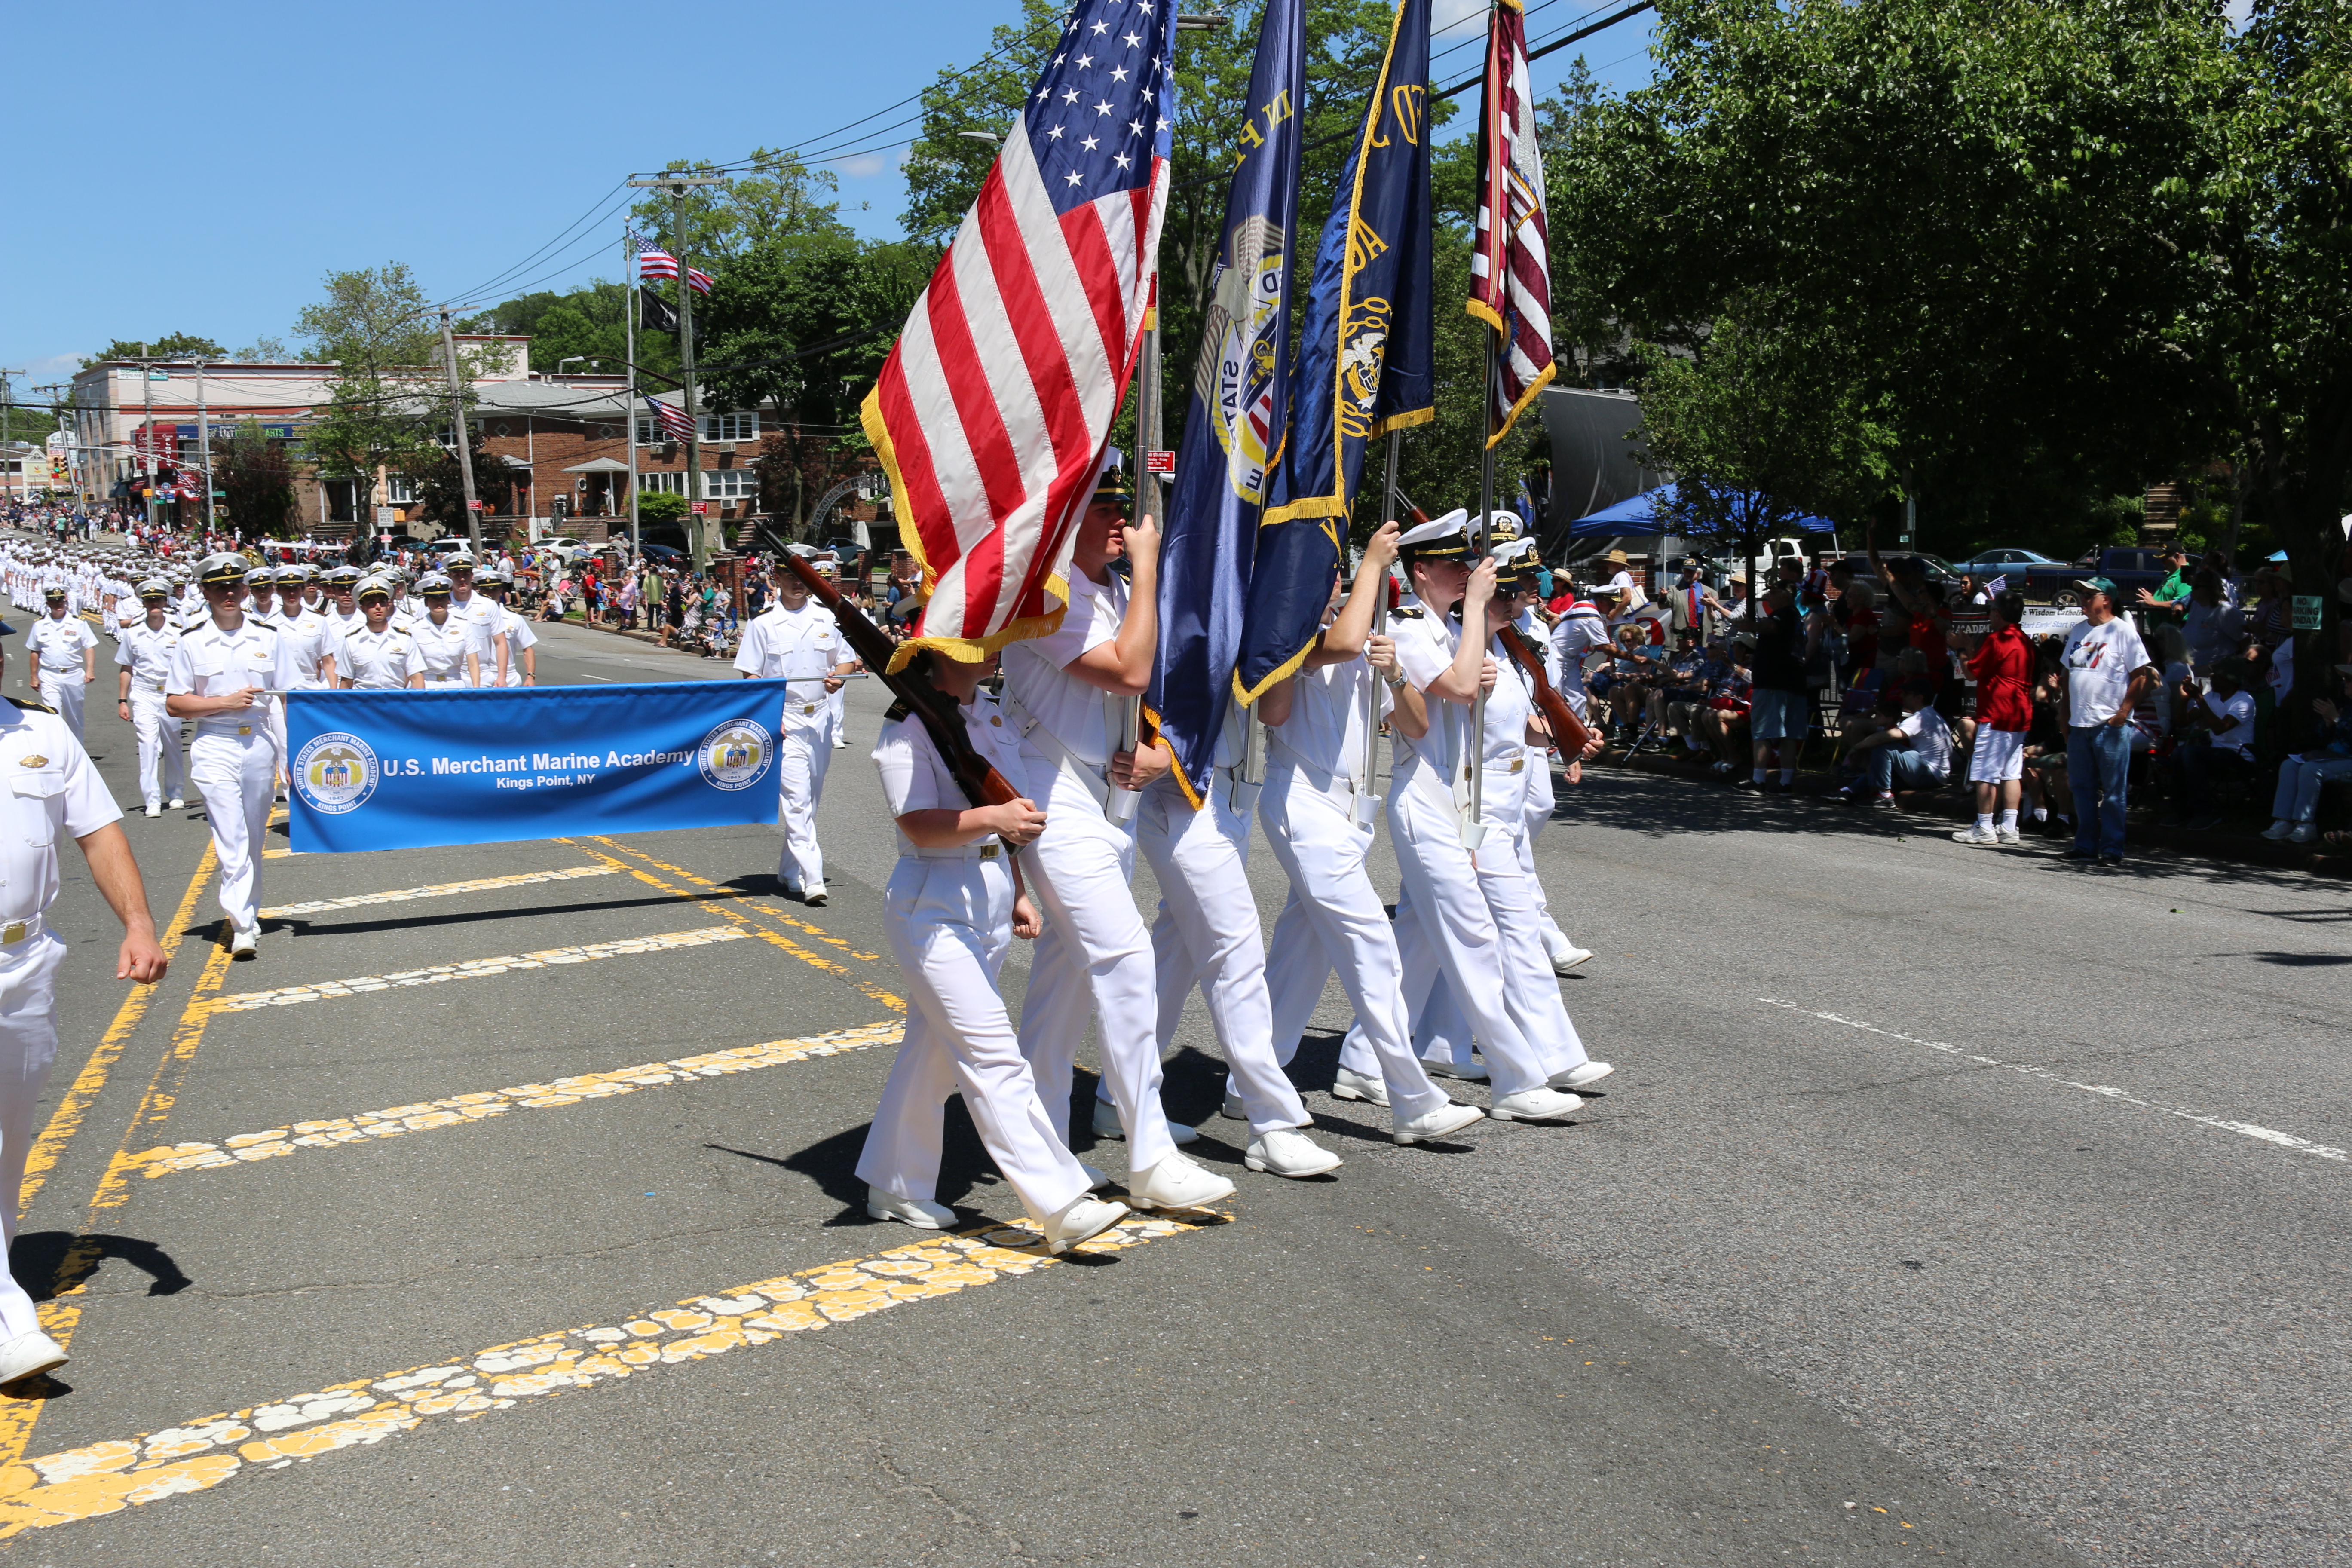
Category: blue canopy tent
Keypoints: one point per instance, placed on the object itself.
(1638, 515)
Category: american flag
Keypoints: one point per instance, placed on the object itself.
(696, 280)
(653, 261)
(992, 413)
(1510, 268)
(674, 422)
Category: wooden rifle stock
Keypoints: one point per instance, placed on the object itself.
(977, 777)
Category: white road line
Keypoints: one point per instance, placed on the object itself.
(476, 968)
(460, 1110)
(437, 890)
(2104, 1091)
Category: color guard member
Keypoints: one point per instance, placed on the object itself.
(797, 641)
(65, 656)
(144, 651)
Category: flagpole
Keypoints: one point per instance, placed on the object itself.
(1368, 804)
(1475, 761)
(629, 400)
(1124, 715)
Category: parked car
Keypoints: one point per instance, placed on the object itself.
(2130, 567)
(1996, 563)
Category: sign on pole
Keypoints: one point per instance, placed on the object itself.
(2307, 612)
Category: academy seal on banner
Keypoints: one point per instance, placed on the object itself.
(405, 770)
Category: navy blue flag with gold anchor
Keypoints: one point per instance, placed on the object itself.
(1238, 413)
(1363, 359)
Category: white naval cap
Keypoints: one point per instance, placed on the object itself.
(1511, 550)
(1439, 537)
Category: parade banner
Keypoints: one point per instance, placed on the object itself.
(409, 769)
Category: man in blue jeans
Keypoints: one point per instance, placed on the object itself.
(2108, 673)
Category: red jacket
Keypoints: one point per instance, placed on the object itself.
(2003, 668)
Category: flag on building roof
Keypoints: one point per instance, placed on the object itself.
(1363, 358)
(1511, 265)
(653, 261)
(992, 412)
(1239, 413)
(674, 422)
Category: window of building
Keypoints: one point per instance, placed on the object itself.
(674, 483)
(399, 490)
(731, 426)
(731, 484)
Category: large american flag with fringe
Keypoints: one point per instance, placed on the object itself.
(1510, 266)
(992, 413)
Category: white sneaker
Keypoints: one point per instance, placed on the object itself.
(1107, 1121)
(1568, 957)
(1535, 1105)
(1097, 1177)
(920, 1213)
(1084, 1217)
(1177, 1183)
(814, 897)
(1978, 834)
(2006, 835)
(1474, 1072)
(2305, 833)
(1437, 1124)
(1350, 1085)
(244, 942)
(1232, 1110)
(1578, 1077)
(177, 803)
(1286, 1151)
(28, 1353)
(154, 811)
(2279, 828)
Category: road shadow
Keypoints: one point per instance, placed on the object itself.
(303, 926)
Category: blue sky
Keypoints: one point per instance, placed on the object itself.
(459, 139)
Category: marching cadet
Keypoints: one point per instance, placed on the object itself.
(521, 664)
(144, 651)
(1472, 917)
(1317, 745)
(952, 906)
(306, 631)
(65, 658)
(1097, 956)
(339, 610)
(54, 790)
(223, 675)
(1542, 800)
(447, 649)
(408, 607)
(480, 613)
(797, 641)
(261, 595)
(377, 656)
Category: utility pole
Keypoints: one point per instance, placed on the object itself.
(205, 446)
(629, 403)
(465, 446)
(675, 183)
(8, 403)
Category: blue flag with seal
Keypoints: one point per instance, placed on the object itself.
(406, 769)
(1237, 415)
(1364, 359)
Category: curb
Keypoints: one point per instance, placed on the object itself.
(2241, 848)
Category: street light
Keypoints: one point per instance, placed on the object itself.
(990, 137)
(568, 359)
(1203, 21)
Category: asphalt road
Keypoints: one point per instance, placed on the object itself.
(1945, 1203)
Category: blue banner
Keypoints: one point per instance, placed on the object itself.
(406, 770)
(1364, 359)
(1239, 411)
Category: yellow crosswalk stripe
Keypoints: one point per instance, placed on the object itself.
(463, 1110)
(474, 969)
(106, 1477)
(437, 890)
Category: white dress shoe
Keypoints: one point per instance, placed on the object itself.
(244, 942)
(154, 811)
(177, 803)
(1107, 1125)
(1472, 1071)
(814, 897)
(1084, 1217)
(1437, 1124)
(1350, 1085)
(920, 1213)
(1568, 957)
(1097, 1177)
(1534, 1105)
(1177, 1183)
(1179, 1134)
(1286, 1151)
(1232, 1110)
(29, 1353)
(1578, 1077)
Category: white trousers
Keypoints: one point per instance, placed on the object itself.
(1095, 956)
(949, 923)
(1540, 801)
(159, 748)
(28, 1044)
(234, 773)
(1207, 934)
(801, 758)
(64, 690)
(838, 705)
(1442, 1028)
(1333, 920)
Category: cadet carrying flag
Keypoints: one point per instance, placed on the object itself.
(1363, 358)
(1238, 415)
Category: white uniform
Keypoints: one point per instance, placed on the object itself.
(1095, 956)
(520, 638)
(234, 757)
(1542, 801)
(1334, 918)
(441, 650)
(53, 791)
(482, 616)
(1208, 932)
(801, 647)
(147, 655)
(376, 661)
(949, 913)
(62, 645)
(1474, 920)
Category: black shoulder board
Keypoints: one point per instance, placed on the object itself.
(899, 710)
(1405, 612)
(29, 705)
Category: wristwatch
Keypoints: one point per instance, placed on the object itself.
(1396, 682)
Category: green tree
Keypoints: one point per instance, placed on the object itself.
(388, 403)
(441, 489)
(771, 195)
(171, 345)
(255, 482)
(589, 322)
(660, 506)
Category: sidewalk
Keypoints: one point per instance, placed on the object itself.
(2240, 847)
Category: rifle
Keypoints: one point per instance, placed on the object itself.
(1568, 730)
(977, 777)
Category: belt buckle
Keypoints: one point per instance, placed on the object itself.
(12, 933)
(245, 728)
(988, 851)
(1517, 764)
(808, 708)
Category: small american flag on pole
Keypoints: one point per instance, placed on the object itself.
(1510, 265)
(698, 279)
(992, 413)
(653, 261)
(673, 420)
